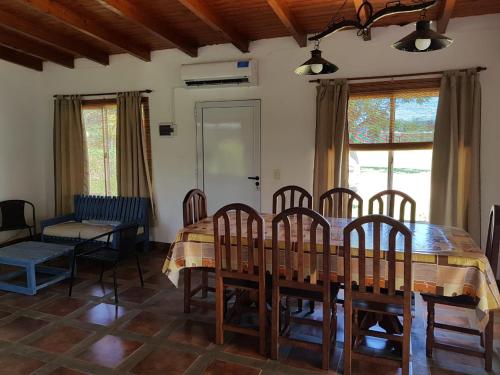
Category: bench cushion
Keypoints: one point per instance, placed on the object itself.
(80, 230)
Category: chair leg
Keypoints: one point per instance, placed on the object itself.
(187, 290)
(326, 334)
(299, 306)
(430, 329)
(219, 311)
(262, 320)
(204, 283)
(115, 285)
(406, 341)
(311, 307)
(139, 269)
(102, 273)
(347, 337)
(488, 343)
(72, 276)
(275, 325)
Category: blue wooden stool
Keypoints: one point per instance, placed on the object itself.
(30, 255)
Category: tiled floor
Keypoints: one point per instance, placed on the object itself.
(148, 333)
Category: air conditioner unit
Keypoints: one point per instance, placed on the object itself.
(224, 73)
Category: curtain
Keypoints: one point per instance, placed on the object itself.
(331, 158)
(132, 164)
(70, 153)
(455, 181)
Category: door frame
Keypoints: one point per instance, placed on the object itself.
(199, 107)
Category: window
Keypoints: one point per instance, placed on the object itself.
(100, 121)
(391, 130)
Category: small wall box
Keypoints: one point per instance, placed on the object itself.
(168, 129)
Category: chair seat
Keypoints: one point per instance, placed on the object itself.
(378, 307)
(310, 295)
(463, 301)
(104, 254)
(83, 230)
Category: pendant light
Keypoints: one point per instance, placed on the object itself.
(423, 39)
(316, 64)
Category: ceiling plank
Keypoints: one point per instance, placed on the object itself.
(37, 49)
(208, 16)
(16, 23)
(445, 15)
(363, 16)
(20, 58)
(282, 10)
(88, 26)
(132, 12)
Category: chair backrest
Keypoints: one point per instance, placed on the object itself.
(292, 230)
(13, 214)
(339, 202)
(391, 196)
(238, 234)
(382, 232)
(291, 196)
(127, 239)
(493, 240)
(194, 207)
(123, 209)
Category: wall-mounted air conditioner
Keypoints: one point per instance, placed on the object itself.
(224, 73)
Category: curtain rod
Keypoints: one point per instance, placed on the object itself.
(478, 69)
(104, 93)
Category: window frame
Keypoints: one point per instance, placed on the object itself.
(390, 89)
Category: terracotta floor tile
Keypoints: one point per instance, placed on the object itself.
(137, 294)
(61, 339)
(147, 323)
(14, 364)
(110, 351)
(23, 301)
(160, 280)
(194, 333)
(165, 361)
(62, 306)
(103, 314)
(127, 273)
(218, 367)
(4, 314)
(66, 371)
(20, 327)
(96, 289)
(247, 346)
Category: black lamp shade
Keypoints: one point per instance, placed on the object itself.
(423, 40)
(316, 65)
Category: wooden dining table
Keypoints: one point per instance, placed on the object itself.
(446, 261)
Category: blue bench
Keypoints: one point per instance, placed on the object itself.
(95, 215)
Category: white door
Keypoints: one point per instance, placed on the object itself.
(228, 146)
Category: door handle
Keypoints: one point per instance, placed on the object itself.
(256, 178)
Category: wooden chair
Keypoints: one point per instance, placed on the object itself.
(288, 197)
(291, 196)
(194, 209)
(486, 337)
(235, 248)
(383, 298)
(338, 202)
(314, 286)
(390, 196)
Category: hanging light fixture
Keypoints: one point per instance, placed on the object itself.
(423, 39)
(316, 64)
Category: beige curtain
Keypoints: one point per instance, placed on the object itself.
(331, 159)
(70, 153)
(132, 164)
(455, 184)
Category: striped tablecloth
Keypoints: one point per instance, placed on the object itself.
(446, 261)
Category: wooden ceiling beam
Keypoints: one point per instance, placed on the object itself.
(282, 10)
(134, 13)
(367, 35)
(34, 48)
(13, 22)
(20, 58)
(88, 26)
(203, 11)
(445, 15)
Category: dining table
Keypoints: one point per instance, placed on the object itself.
(445, 260)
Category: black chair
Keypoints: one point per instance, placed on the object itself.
(105, 254)
(14, 218)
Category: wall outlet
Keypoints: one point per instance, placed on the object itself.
(276, 174)
(167, 129)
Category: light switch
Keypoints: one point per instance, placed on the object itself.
(276, 174)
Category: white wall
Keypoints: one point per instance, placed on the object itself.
(288, 102)
(20, 127)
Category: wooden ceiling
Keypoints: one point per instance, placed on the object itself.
(33, 31)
